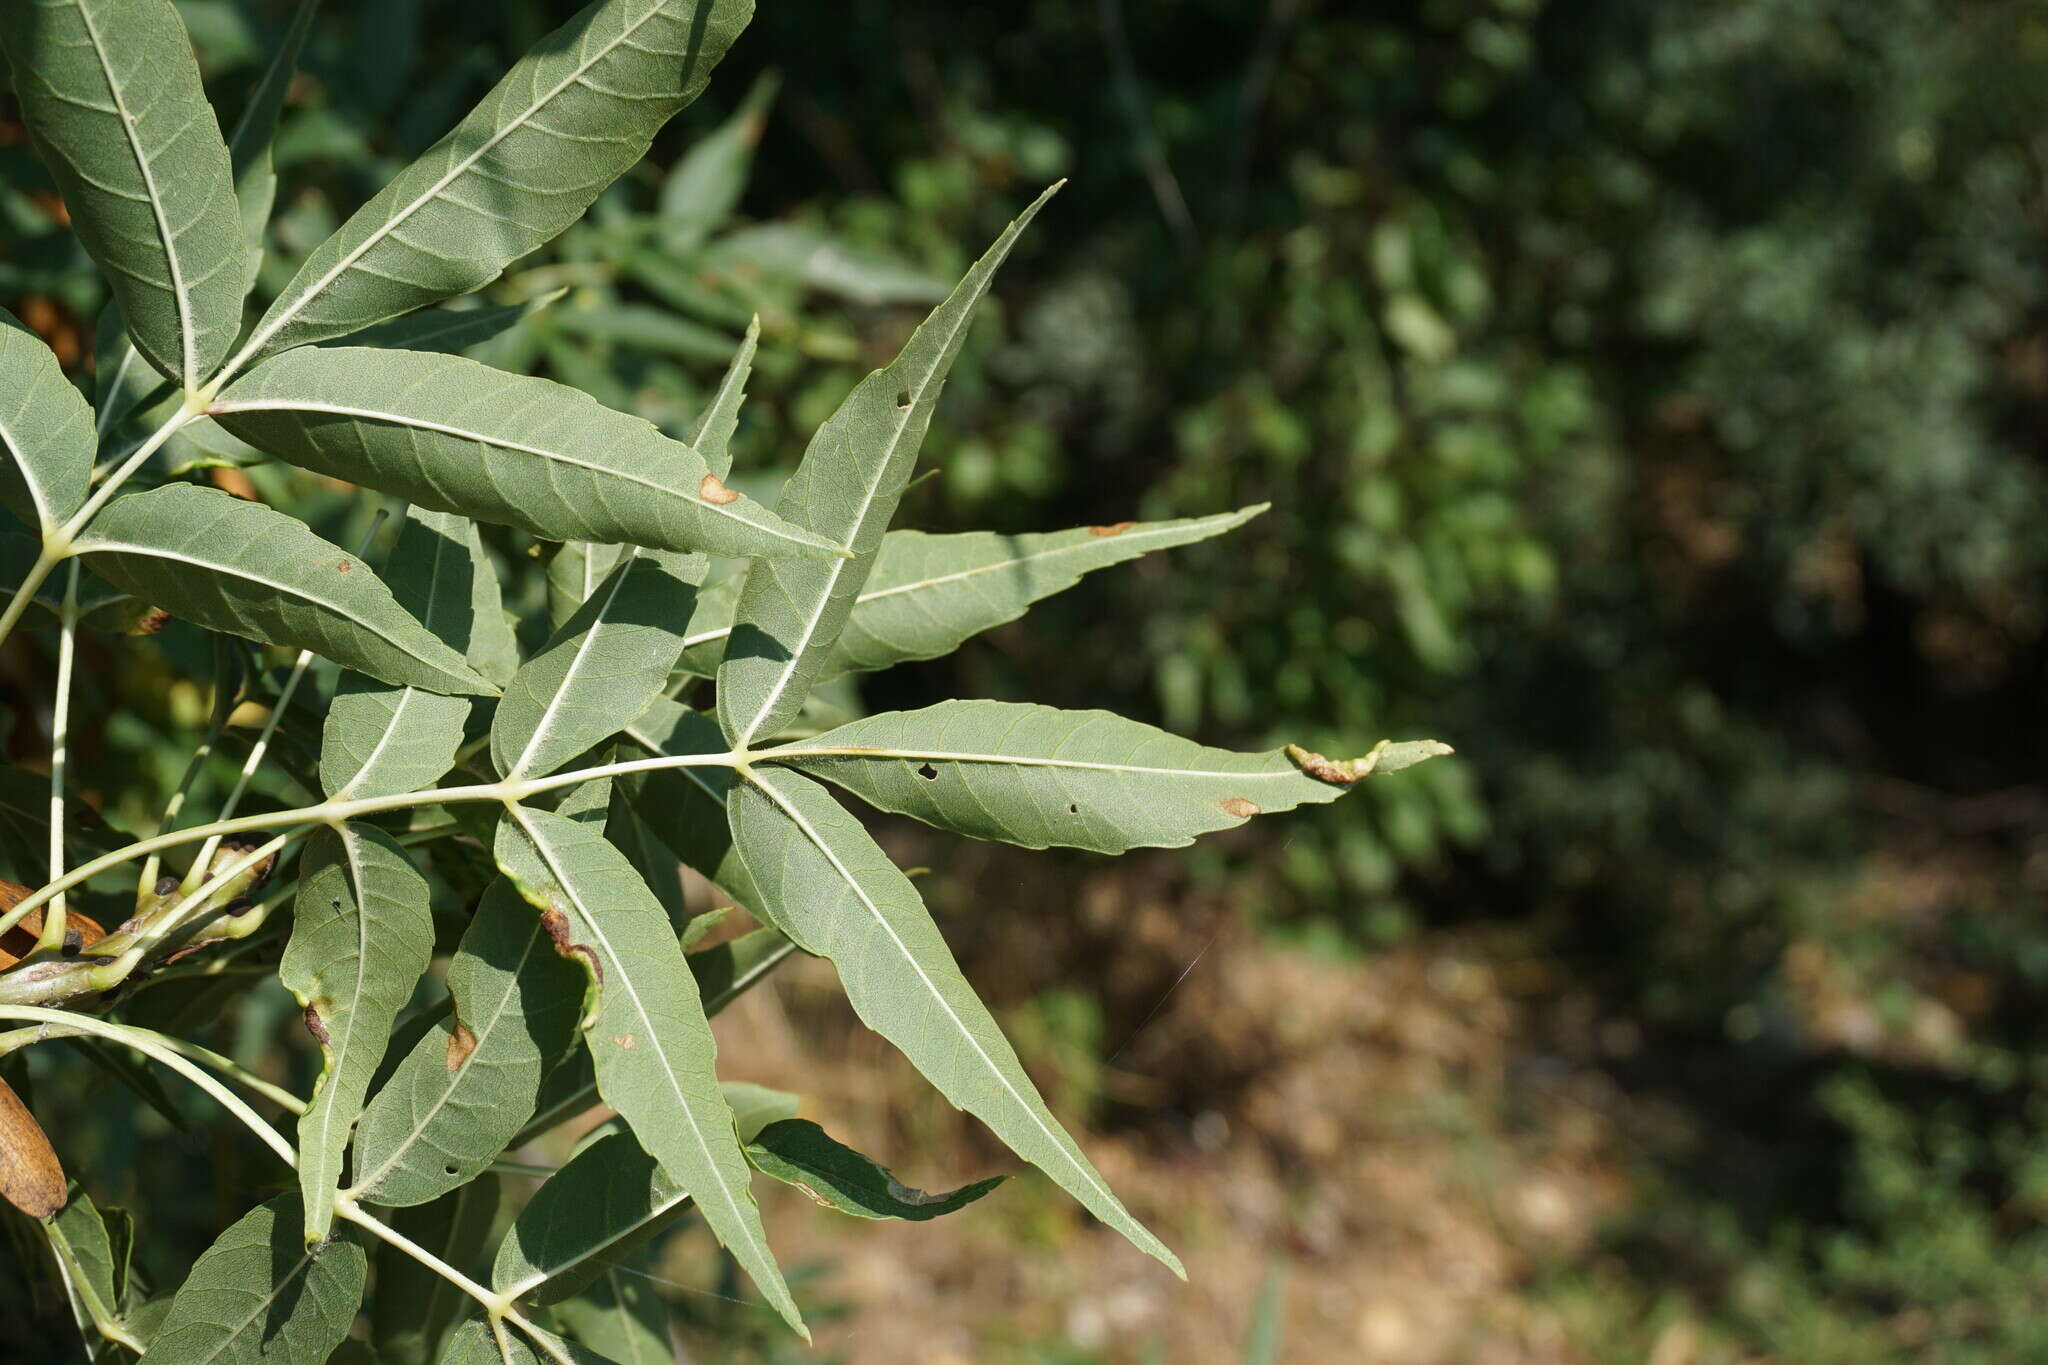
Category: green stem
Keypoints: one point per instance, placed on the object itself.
(197, 873)
(51, 940)
(336, 812)
(78, 1025)
(157, 1048)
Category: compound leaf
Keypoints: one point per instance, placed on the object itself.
(362, 934)
(252, 571)
(825, 883)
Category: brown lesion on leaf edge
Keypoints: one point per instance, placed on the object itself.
(557, 925)
(714, 491)
(1113, 529)
(461, 1043)
(1241, 808)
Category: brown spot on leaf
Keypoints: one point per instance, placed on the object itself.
(1323, 769)
(625, 1040)
(343, 566)
(557, 924)
(317, 1026)
(711, 490)
(461, 1043)
(31, 1177)
(150, 622)
(1241, 808)
(1114, 529)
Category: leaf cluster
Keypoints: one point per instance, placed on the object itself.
(549, 791)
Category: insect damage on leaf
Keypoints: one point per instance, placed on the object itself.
(711, 490)
(1241, 808)
(1385, 757)
(461, 1042)
(317, 1026)
(1113, 529)
(31, 1178)
(557, 924)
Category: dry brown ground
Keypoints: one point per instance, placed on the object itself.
(1361, 1124)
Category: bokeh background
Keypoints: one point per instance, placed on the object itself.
(1651, 397)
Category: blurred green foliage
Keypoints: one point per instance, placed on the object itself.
(1650, 398)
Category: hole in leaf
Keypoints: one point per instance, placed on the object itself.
(451, 1170)
(903, 401)
(927, 772)
(1073, 810)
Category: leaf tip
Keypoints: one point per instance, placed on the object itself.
(1384, 757)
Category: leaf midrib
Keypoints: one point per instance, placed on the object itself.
(186, 341)
(399, 419)
(796, 818)
(962, 575)
(617, 970)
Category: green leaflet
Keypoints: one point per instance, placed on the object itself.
(563, 123)
(1038, 776)
(474, 1344)
(685, 807)
(93, 1271)
(110, 92)
(648, 1036)
(852, 476)
(608, 1198)
(414, 1306)
(620, 1315)
(260, 1294)
(456, 435)
(447, 330)
(380, 740)
(606, 663)
(928, 594)
(721, 416)
(723, 973)
(46, 429)
(825, 883)
(465, 1089)
(252, 571)
(800, 1153)
(702, 190)
(361, 937)
(249, 146)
